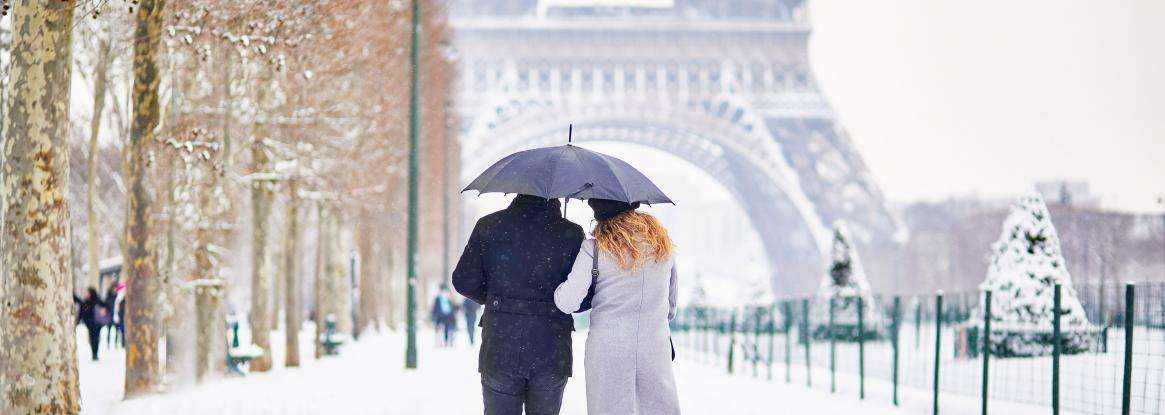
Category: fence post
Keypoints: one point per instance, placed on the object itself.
(1130, 325)
(788, 323)
(861, 348)
(717, 333)
(1056, 349)
(706, 338)
(808, 341)
(756, 340)
(897, 325)
(986, 348)
(701, 334)
(832, 349)
(731, 341)
(918, 325)
(772, 328)
(938, 337)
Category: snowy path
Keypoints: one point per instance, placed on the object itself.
(367, 379)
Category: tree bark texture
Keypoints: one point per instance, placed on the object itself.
(38, 372)
(142, 328)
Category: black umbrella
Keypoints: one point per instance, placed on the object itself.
(568, 172)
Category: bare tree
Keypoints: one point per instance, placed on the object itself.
(100, 79)
(38, 373)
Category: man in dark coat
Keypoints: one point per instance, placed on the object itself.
(514, 260)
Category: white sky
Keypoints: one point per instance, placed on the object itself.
(985, 97)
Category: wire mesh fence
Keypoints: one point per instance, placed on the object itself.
(874, 345)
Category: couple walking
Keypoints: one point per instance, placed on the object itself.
(532, 268)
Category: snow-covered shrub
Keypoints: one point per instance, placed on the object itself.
(843, 284)
(1026, 264)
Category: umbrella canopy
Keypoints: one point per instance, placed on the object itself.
(568, 172)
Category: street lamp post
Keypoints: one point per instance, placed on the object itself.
(414, 132)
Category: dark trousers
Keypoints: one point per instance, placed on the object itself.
(507, 393)
(94, 338)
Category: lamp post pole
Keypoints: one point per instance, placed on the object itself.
(414, 133)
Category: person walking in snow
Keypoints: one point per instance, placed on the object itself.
(93, 312)
(444, 316)
(630, 282)
(513, 261)
(469, 311)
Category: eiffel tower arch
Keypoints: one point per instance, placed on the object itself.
(723, 84)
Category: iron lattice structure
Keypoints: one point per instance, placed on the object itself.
(723, 84)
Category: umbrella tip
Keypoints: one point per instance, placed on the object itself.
(569, 133)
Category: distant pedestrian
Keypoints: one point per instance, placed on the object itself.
(469, 310)
(117, 302)
(93, 312)
(444, 316)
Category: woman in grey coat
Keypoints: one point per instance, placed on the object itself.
(628, 349)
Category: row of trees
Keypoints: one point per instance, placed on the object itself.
(235, 153)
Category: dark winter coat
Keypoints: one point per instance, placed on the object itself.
(92, 311)
(514, 260)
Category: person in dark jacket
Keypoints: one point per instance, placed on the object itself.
(444, 316)
(94, 314)
(469, 311)
(514, 260)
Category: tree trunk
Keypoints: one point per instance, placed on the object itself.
(291, 313)
(99, 83)
(260, 276)
(142, 372)
(209, 328)
(318, 280)
(391, 289)
(368, 278)
(339, 290)
(276, 264)
(38, 372)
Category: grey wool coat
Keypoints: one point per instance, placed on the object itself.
(628, 350)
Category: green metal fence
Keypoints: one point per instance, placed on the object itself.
(937, 344)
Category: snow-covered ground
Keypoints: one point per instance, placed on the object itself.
(367, 378)
(1089, 382)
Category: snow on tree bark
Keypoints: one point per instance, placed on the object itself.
(142, 328)
(1026, 264)
(38, 373)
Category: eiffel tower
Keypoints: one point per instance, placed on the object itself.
(723, 84)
